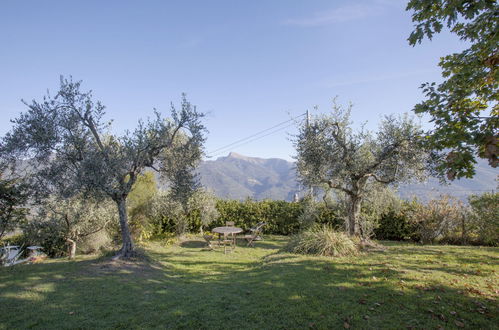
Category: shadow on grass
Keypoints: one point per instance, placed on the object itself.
(216, 291)
(193, 244)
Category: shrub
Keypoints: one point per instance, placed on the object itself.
(439, 219)
(61, 224)
(323, 240)
(395, 223)
(484, 218)
(47, 233)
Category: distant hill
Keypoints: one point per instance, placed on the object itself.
(239, 177)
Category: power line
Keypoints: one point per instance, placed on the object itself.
(249, 141)
(240, 141)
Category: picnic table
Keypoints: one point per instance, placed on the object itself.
(228, 231)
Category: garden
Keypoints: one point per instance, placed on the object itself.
(182, 285)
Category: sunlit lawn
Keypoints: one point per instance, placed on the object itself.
(185, 286)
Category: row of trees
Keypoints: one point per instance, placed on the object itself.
(383, 216)
(68, 151)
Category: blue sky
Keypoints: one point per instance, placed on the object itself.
(248, 64)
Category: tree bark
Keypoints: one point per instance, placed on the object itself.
(127, 248)
(71, 248)
(353, 215)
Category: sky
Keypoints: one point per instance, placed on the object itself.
(249, 65)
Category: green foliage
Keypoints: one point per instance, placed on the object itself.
(437, 219)
(203, 206)
(140, 198)
(47, 233)
(69, 142)
(310, 213)
(60, 223)
(331, 154)
(464, 108)
(165, 214)
(12, 199)
(485, 218)
(323, 240)
(394, 223)
(281, 217)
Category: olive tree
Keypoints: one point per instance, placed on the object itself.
(73, 150)
(331, 154)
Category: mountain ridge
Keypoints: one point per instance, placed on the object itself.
(237, 176)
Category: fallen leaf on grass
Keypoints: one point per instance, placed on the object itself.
(346, 325)
(459, 324)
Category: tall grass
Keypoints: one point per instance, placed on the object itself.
(323, 240)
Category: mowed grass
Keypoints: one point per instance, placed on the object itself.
(184, 286)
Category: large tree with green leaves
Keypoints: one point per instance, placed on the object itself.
(332, 155)
(464, 107)
(73, 150)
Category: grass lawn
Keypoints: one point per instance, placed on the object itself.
(184, 286)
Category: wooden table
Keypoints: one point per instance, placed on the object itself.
(227, 231)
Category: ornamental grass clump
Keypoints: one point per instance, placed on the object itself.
(323, 240)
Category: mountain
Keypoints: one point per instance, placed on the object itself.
(239, 177)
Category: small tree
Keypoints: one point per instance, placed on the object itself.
(12, 199)
(330, 153)
(73, 150)
(204, 202)
(140, 199)
(438, 218)
(76, 218)
(485, 217)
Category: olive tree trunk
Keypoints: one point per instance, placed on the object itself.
(71, 248)
(127, 248)
(353, 215)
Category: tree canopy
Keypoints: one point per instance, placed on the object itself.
(464, 107)
(73, 150)
(332, 155)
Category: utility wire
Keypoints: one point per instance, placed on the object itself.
(249, 141)
(217, 151)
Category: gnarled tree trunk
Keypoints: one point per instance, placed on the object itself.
(71, 248)
(353, 215)
(127, 248)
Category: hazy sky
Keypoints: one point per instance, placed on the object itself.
(249, 64)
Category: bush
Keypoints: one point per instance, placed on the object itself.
(437, 220)
(323, 240)
(47, 233)
(395, 223)
(484, 218)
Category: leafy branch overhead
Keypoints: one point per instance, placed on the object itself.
(464, 107)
